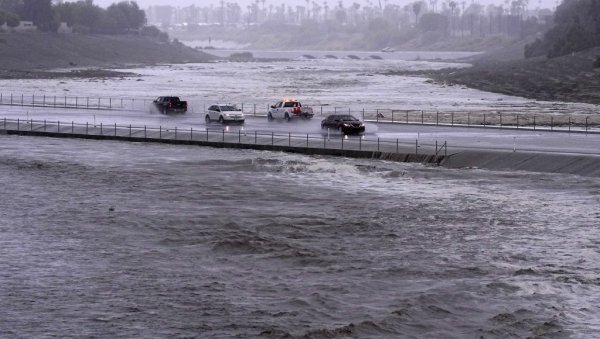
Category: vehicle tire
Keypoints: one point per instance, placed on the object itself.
(287, 117)
(207, 119)
(221, 119)
(269, 117)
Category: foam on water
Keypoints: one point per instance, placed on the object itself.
(142, 240)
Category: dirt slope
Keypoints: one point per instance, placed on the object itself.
(27, 51)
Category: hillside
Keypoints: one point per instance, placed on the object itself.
(566, 78)
(43, 51)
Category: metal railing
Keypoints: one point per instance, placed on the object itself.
(223, 136)
(512, 119)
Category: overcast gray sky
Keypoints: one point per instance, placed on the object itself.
(243, 3)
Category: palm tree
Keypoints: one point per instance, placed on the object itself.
(416, 7)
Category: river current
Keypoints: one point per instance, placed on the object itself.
(114, 239)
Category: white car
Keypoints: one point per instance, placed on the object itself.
(224, 114)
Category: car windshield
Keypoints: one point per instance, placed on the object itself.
(348, 118)
(228, 108)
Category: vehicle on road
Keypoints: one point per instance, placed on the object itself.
(344, 123)
(170, 104)
(289, 109)
(224, 114)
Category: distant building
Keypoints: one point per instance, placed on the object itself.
(25, 26)
(64, 28)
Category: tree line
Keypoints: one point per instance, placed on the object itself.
(576, 27)
(83, 16)
(382, 22)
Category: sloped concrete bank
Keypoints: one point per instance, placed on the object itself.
(584, 165)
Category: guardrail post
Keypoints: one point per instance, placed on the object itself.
(452, 119)
(569, 124)
(377, 115)
(207, 135)
(18, 125)
(500, 114)
(585, 124)
(468, 119)
(343, 141)
(31, 125)
(191, 133)
(109, 103)
(239, 136)
(517, 121)
(397, 148)
(57, 126)
(534, 122)
(101, 133)
(33, 100)
(98, 103)
(175, 132)
(115, 129)
(360, 143)
(72, 127)
(377, 144)
(87, 104)
(130, 131)
(44, 124)
(306, 140)
(484, 124)
(159, 131)
(11, 99)
(146, 135)
(223, 135)
(76, 102)
(416, 146)
(254, 136)
(21, 99)
(437, 118)
(272, 139)
(254, 110)
(290, 139)
(86, 127)
(551, 123)
(363, 114)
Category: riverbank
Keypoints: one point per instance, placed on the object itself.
(570, 78)
(48, 55)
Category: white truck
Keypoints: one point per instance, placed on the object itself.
(288, 110)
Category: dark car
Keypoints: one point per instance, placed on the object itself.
(169, 105)
(345, 123)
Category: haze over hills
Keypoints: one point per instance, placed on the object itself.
(145, 3)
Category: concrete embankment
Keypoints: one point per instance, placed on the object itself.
(585, 165)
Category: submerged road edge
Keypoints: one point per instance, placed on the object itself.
(583, 165)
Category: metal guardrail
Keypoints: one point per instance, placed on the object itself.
(503, 119)
(223, 136)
